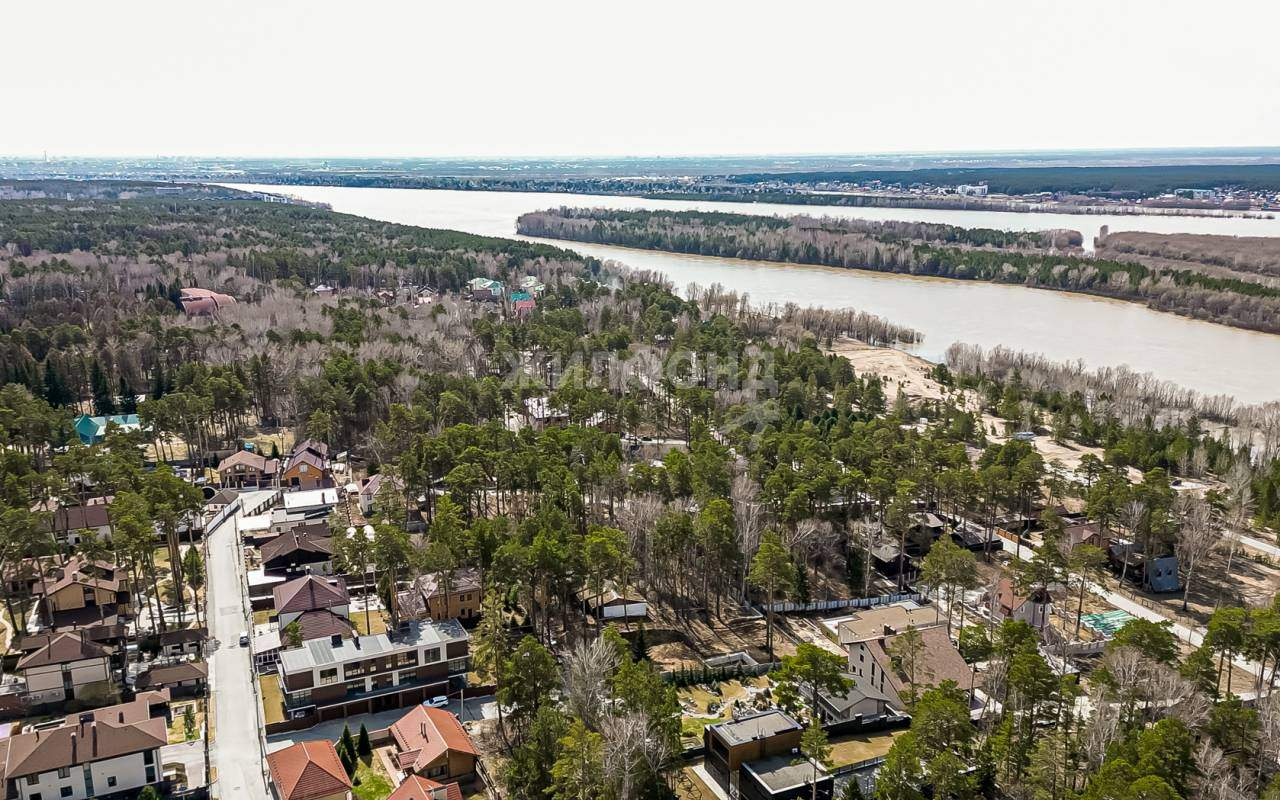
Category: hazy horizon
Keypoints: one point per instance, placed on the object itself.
(509, 81)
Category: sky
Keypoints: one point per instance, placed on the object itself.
(697, 77)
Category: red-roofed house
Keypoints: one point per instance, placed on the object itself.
(415, 787)
(309, 771)
(431, 742)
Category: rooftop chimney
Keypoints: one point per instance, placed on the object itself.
(73, 747)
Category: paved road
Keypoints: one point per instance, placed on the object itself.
(237, 750)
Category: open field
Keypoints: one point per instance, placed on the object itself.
(272, 698)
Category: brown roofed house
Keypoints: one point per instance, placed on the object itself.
(66, 666)
(184, 678)
(309, 771)
(82, 592)
(310, 593)
(244, 468)
(300, 551)
(307, 466)
(427, 598)
(121, 743)
(432, 743)
(416, 787)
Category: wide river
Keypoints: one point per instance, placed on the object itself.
(1212, 359)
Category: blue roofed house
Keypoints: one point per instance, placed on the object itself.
(94, 429)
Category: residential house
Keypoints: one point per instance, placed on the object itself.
(310, 593)
(426, 597)
(371, 486)
(531, 284)
(114, 751)
(522, 303)
(1008, 603)
(244, 468)
(307, 466)
(93, 430)
(416, 787)
(542, 414)
(68, 666)
(869, 636)
(183, 642)
(309, 771)
(181, 678)
(857, 703)
(752, 757)
(333, 678)
(1083, 533)
(484, 289)
(614, 603)
(298, 552)
(1156, 574)
(73, 524)
(431, 743)
(82, 592)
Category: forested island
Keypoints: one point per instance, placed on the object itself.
(556, 430)
(1042, 260)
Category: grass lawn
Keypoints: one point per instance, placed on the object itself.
(178, 730)
(272, 698)
(371, 781)
(852, 749)
(377, 621)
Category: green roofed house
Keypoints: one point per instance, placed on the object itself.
(94, 429)
(485, 289)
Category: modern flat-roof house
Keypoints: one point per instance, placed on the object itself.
(431, 743)
(754, 757)
(426, 597)
(338, 677)
(69, 666)
(244, 469)
(310, 593)
(309, 771)
(93, 430)
(111, 752)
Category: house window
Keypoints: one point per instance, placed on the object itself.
(408, 659)
(32, 780)
(33, 796)
(458, 665)
(64, 773)
(66, 791)
(111, 780)
(431, 655)
(355, 669)
(328, 676)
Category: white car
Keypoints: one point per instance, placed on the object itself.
(439, 701)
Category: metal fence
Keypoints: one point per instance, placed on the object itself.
(834, 605)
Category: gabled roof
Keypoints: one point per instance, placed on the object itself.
(109, 732)
(172, 674)
(416, 787)
(308, 457)
(309, 593)
(323, 624)
(244, 458)
(64, 648)
(311, 445)
(296, 541)
(308, 770)
(184, 636)
(78, 571)
(74, 518)
(425, 734)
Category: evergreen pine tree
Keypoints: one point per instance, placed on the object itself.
(363, 746)
(348, 742)
(128, 400)
(157, 381)
(104, 401)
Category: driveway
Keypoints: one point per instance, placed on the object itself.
(477, 708)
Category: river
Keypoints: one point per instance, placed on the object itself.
(1212, 359)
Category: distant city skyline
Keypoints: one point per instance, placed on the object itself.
(499, 80)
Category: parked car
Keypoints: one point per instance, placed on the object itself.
(244, 638)
(439, 701)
